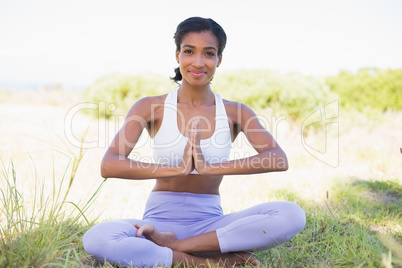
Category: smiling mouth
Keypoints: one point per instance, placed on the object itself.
(197, 74)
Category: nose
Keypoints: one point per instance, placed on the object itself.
(198, 61)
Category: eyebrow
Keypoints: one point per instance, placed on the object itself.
(205, 48)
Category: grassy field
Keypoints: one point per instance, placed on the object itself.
(346, 176)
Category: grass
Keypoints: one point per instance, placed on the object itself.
(45, 231)
(342, 231)
(353, 227)
(353, 215)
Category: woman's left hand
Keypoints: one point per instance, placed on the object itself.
(201, 165)
(163, 239)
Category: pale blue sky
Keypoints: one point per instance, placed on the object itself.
(77, 41)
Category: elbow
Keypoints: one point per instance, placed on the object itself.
(104, 172)
(283, 164)
(105, 169)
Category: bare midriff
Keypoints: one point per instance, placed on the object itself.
(198, 184)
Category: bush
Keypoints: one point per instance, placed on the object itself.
(369, 88)
(291, 94)
(120, 91)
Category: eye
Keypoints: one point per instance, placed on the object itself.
(210, 54)
(188, 51)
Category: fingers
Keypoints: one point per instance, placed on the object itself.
(144, 229)
(195, 124)
(199, 161)
(187, 163)
(195, 133)
(140, 230)
(189, 146)
(187, 158)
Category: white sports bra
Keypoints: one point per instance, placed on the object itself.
(168, 144)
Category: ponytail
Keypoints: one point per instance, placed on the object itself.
(177, 76)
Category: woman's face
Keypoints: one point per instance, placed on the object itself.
(198, 57)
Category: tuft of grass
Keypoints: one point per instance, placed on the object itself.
(44, 231)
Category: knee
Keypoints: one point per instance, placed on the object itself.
(90, 248)
(100, 236)
(91, 240)
(296, 216)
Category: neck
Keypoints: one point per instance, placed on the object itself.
(195, 95)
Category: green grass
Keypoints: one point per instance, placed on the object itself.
(45, 231)
(353, 227)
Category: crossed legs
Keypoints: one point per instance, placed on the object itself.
(223, 239)
(257, 228)
(184, 249)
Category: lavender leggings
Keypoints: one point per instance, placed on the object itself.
(257, 228)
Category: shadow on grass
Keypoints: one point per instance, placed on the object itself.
(374, 207)
(384, 192)
(376, 204)
(358, 225)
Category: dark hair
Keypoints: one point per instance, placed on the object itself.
(198, 24)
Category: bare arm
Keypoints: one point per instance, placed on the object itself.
(116, 163)
(270, 155)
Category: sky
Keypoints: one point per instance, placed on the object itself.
(78, 41)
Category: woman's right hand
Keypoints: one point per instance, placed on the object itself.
(187, 165)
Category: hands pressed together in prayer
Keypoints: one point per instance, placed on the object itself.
(193, 157)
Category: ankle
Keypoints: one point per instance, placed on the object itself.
(175, 245)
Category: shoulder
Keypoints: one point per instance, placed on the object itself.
(238, 111)
(147, 106)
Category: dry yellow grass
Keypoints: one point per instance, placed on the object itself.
(44, 125)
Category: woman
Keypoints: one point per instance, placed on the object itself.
(192, 130)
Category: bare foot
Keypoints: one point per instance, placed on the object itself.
(162, 239)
